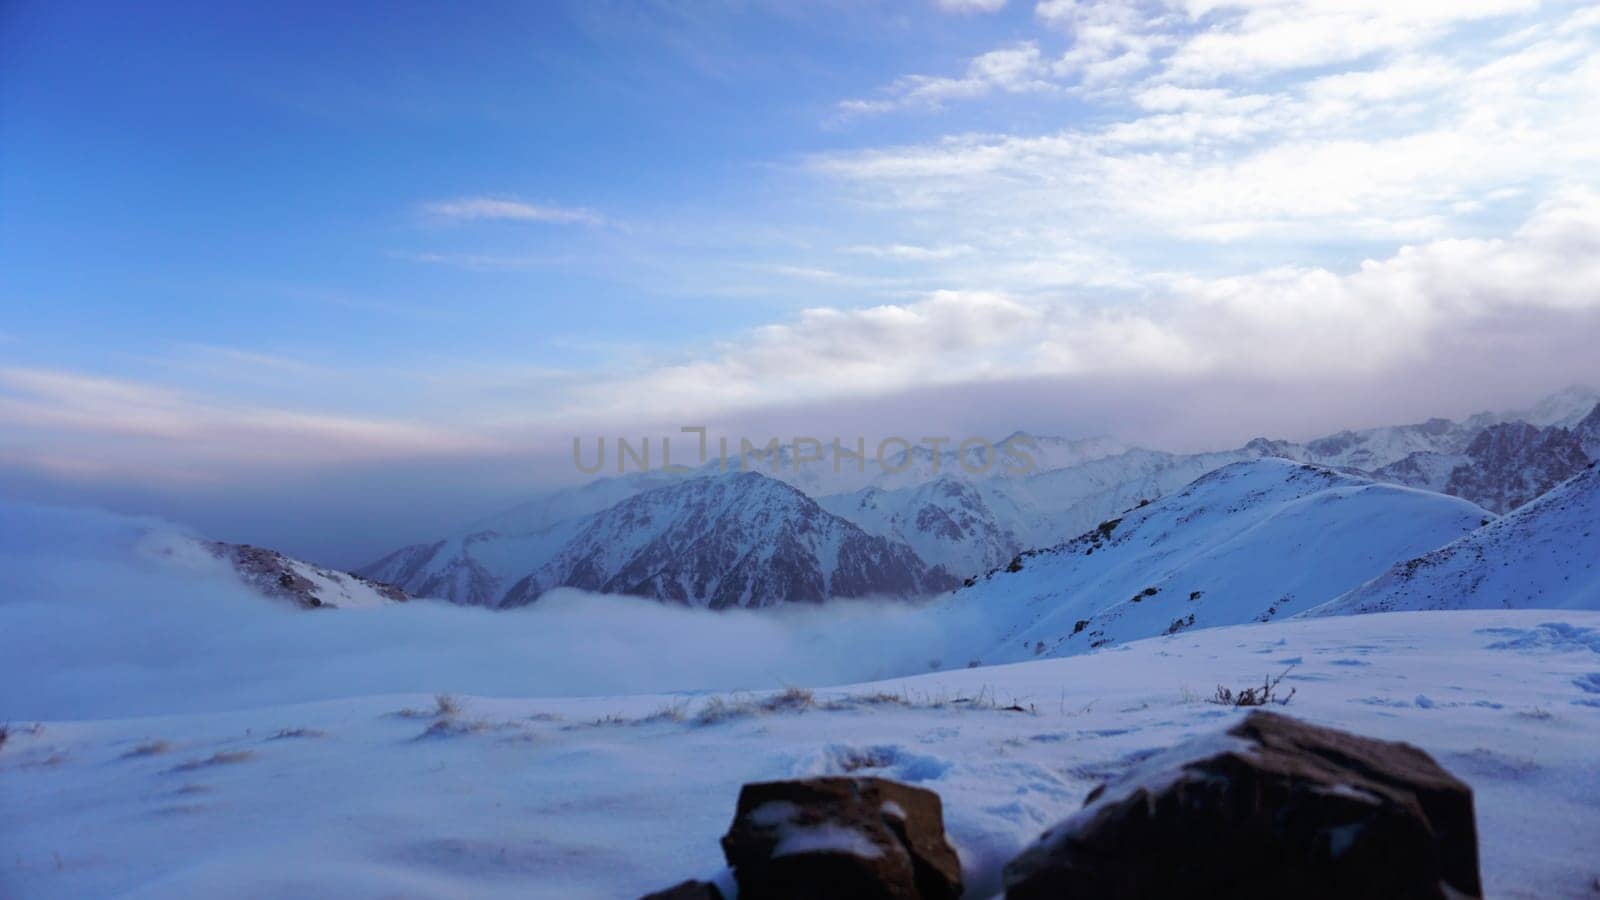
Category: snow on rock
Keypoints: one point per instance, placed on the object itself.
(1544, 555)
(1252, 541)
(1273, 807)
(852, 836)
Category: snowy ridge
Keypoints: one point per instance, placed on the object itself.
(1544, 555)
(1248, 542)
(271, 574)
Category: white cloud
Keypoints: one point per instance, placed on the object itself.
(1401, 149)
(1482, 298)
(489, 209)
(911, 252)
(1252, 37)
(971, 6)
(1268, 326)
(1015, 69)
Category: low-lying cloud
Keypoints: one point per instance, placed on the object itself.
(95, 624)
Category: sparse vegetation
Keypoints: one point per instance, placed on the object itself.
(288, 733)
(673, 712)
(444, 706)
(220, 758)
(1266, 694)
(148, 748)
(791, 699)
(448, 726)
(1180, 624)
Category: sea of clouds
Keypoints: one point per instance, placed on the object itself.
(99, 619)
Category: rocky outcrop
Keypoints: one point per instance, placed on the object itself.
(305, 585)
(1274, 807)
(1513, 462)
(844, 838)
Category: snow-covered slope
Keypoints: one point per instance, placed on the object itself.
(617, 796)
(1248, 542)
(1050, 507)
(1544, 555)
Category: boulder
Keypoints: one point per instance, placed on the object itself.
(844, 838)
(1273, 807)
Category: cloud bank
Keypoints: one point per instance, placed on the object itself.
(95, 625)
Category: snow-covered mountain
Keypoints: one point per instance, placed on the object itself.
(1374, 448)
(740, 539)
(1506, 465)
(947, 519)
(1564, 408)
(1544, 555)
(1588, 432)
(1018, 455)
(1247, 542)
(958, 514)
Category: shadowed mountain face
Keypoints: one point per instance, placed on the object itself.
(1514, 462)
(739, 540)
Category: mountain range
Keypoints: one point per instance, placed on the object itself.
(842, 526)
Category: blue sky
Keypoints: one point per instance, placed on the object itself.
(292, 256)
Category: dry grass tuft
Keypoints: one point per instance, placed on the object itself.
(220, 758)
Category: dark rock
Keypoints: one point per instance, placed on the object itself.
(841, 838)
(1274, 808)
(688, 890)
(1514, 462)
